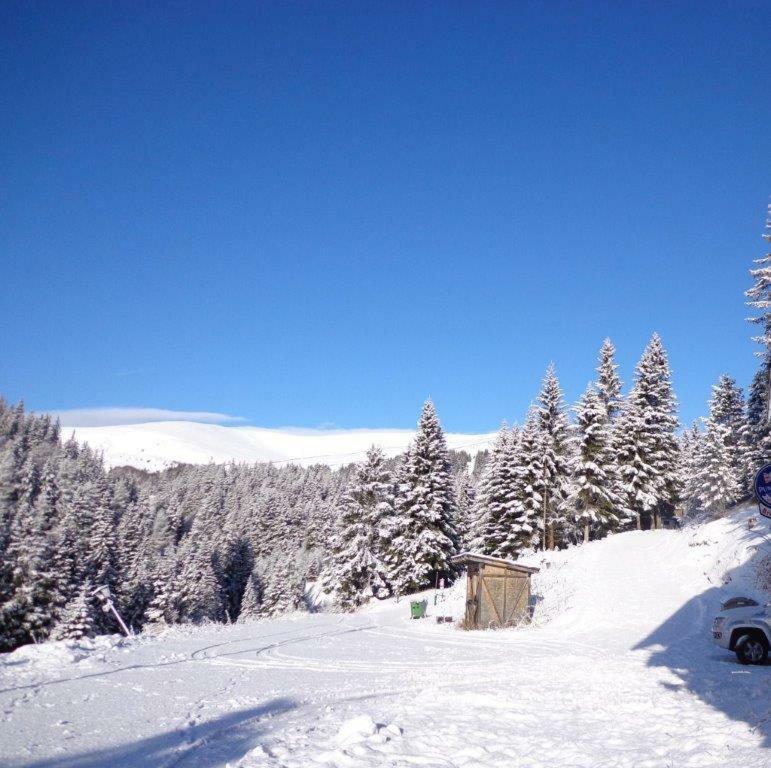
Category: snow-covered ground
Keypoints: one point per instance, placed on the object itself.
(617, 670)
(157, 445)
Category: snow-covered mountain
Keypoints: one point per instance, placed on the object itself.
(157, 445)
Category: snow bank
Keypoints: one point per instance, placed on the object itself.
(59, 653)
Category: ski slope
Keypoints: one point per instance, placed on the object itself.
(157, 445)
(617, 670)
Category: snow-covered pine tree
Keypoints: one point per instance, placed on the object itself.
(727, 410)
(498, 495)
(164, 606)
(78, 619)
(647, 447)
(357, 568)
(690, 465)
(424, 537)
(283, 586)
(465, 506)
(759, 407)
(200, 596)
(594, 481)
(716, 480)
(608, 381)
(557, 459)
(758, 436)
(759, 296)
(250, 601)
(637, 484)
(529, 482)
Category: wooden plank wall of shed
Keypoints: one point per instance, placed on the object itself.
(503, 597)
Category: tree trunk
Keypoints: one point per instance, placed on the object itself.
(639, 522)
(586, 533)
(551, 536)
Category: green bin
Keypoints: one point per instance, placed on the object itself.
(418, 609)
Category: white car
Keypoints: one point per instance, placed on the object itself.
(744, 626)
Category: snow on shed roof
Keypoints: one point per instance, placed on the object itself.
(472, 557)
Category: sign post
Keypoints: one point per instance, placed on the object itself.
(105, 598)
(762, 487)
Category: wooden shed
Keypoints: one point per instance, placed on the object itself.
(497, 591)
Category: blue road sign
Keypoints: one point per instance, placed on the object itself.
(763, 490)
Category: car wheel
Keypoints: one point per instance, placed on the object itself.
(751, 650)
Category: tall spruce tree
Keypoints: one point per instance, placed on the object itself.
(359, 547)
(727, 410)
(646, 443)
(557, 460)
(78, 619)
(594, 481)
(608, 381)
(759, 405)
(424, 537)
(530, 476)
(758, 435)
(496, 498)
(465, 509)
(716, 479)
(691, 448)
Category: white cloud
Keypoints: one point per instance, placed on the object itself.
(113, 416)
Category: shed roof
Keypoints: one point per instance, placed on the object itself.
(464, 558)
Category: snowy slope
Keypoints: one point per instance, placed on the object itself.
(157, 445)
(617, 671)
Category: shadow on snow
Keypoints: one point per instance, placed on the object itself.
(683, 644)
(200, 745)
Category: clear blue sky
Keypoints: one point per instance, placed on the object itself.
(307, 213)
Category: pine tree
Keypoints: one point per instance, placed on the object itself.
(250, 602)
(557, 461)
(727, 410)
(497, 494)
(200, 598)
(77, 621)
(164, 607)
(759, 295)
(691, 462)
(529, 483)
(509, 522)
(608, 381)
(465, 506)
(594, 473)
(646, 444)
(716, 480)
(359, 547)
(759, 408)
(424, 537)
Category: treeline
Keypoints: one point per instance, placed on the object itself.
(619, 463)
(187, 545)
(234, 542)
(552, 482)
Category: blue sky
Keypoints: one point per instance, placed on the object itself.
(321, 213)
